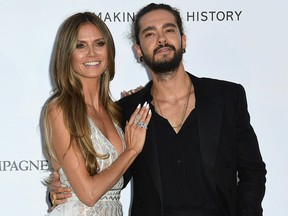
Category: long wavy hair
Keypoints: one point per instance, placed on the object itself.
(68, 92)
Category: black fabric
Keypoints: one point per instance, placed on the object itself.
(194, 212)
(233, 169)
(180, 164)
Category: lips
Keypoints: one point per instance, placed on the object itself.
(166, 47)
(92, 63)
(163, 50)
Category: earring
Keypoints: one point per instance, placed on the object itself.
(105, 72)
(140, 59)
(184, 50)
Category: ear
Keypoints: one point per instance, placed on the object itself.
(183, 39)
(138, 50)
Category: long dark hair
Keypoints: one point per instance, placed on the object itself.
(152, 7)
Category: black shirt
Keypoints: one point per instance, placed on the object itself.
(180, 164)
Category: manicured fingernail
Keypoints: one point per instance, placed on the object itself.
(145, 104)
(138, 106)
(149, 113)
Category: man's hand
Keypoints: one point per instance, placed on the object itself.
(132, 91)
(58, 194)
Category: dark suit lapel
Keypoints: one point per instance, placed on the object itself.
(210, 111)
(151, 157)
(209, 104)
(150, 147)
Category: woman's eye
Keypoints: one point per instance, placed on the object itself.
(80, 46)
(100, 43)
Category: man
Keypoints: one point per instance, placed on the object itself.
(201, 156)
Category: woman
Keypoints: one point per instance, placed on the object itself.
(82, 123)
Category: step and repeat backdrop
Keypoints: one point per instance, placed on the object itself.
(240, 41)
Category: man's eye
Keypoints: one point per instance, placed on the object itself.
(170, 30)
(149, 34)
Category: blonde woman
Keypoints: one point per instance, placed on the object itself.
(83, 125)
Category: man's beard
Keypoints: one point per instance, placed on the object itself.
(165, 66)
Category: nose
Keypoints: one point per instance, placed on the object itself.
(161, 39)
(91, 52)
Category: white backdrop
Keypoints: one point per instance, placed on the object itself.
(241, 41)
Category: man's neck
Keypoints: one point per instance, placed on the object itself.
(172, 85)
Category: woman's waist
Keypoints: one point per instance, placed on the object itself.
(111, 195)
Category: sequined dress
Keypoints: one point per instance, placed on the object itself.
(109, 204)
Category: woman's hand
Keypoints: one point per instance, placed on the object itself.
(135, 130)
(58, 194)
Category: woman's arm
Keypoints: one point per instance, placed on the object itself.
(90, 189)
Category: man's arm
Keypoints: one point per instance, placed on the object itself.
(58, 194)
(250, 166)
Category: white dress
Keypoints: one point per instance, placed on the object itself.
(109, 204)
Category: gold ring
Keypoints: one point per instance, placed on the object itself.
(53, 199)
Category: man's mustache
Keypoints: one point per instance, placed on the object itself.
(162, 46)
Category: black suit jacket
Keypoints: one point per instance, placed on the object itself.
(233, 168)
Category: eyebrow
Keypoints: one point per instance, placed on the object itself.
(96, 40)
(166, 25)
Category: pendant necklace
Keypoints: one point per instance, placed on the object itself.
(184, 108)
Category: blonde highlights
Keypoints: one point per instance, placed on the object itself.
(68, 91)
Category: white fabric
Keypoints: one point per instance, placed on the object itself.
(109, 204)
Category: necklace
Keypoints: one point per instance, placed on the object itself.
(184, 108)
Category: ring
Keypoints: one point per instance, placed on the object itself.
(53, 199)
(136, 120)
(142, 125)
